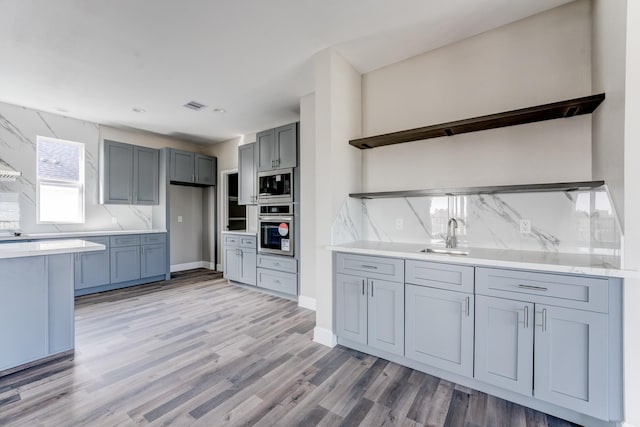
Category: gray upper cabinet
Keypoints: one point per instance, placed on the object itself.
(439, 328)
(504, 343)
(191, 168)
(117, 173)
(571, 362)
(278, 148)
(247, 174)
(129, 174)
(351, 307)
(146, 175)
(385, 308)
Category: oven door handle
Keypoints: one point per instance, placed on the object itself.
(275, 218)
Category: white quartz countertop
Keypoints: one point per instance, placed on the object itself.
(596, 265)
(241, 232)
(62, 235)
(47, 247)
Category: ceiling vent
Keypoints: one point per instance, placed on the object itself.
(193, 105)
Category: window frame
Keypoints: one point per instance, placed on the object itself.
(79, 185)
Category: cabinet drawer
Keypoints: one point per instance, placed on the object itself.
(128, 240)
(148, 239)
(437, 275)
(370, 266)
(278, 263)
(232, 239)
(278, 281)
(248, 242)
(584, 293)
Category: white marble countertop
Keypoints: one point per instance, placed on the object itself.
(596, 265)
(62, 235)
(241, 232)
(47, 247)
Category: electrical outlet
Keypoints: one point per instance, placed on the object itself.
(399, 224)
(525, 226)
(179, 218)
(114, 220)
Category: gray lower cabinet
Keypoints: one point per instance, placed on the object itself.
(129, 174)
(370, 311)
(92, 268)
(504, 343)
(125, 263)
(278, 273)
(152, 260)
(240, 258)
(571, 363)
(247, 194)
(439, 328)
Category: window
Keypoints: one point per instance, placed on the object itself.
(60, 181)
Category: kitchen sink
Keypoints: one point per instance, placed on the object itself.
(445, 251)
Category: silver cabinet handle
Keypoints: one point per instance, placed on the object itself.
(526, 316)
(372, 289)
(544, 320)
(362, 286)
(142, 250)
(467, 305)
(533, 288)
(373, 267)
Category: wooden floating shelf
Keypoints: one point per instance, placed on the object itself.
(555, 110)
(462, 191)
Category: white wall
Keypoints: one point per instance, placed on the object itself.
(338, 168)
(541, 59)
(608, 69)
(307, 199)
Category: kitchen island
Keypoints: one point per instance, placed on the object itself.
(36, 300)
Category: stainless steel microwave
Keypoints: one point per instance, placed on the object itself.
(275, 186)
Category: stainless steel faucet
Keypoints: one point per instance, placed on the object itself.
(451, 241)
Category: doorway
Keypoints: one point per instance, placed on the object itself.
(235, 214)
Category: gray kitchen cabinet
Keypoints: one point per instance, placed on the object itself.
(504, 343)
(116, 173)
(351, 307)
(439, 328)
(146, 176)
(278, 148)
(191, 168)
(61, 303)
(125, 263)
(92, 268)
(240, 258)
(129, 174)
(247, 186)
(152, 260)
(278, 273)
(385, 316)
(23, 319)
(571, 359)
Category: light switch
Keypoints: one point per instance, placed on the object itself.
(114, 220)
(179, 218)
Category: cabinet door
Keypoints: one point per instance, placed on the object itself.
(248, 259)
(351, 307)
(146, 176)
(23, 318)
(182, 165)
(232, 264)
(439, 328)
(571, 362)
(205, 170)
(92, 269)
(247, 174)
(125, 263)
(504, 343)
(266, 148)
(117, 178)
(385, 309)
(153, 260)
(286, 151)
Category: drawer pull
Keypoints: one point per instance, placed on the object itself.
(467, 305)
(544, 320)
(362, 286)
(276, 281)
(533, 288)
(526, 317)
(373, 267)
(372, 289)
(276, 263)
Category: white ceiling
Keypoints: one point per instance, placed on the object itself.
(96, 59)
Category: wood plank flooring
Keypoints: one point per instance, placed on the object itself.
(198, 351)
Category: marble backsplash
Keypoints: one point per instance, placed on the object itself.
(568, 222)
(18, 130)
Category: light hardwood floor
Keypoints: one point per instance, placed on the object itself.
(198, 351)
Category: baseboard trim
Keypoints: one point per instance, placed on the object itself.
(307, 302)
(192, 265)
(325, 337)
(627, 425)
(219, 267)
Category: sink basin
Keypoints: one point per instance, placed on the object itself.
(446, 251)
